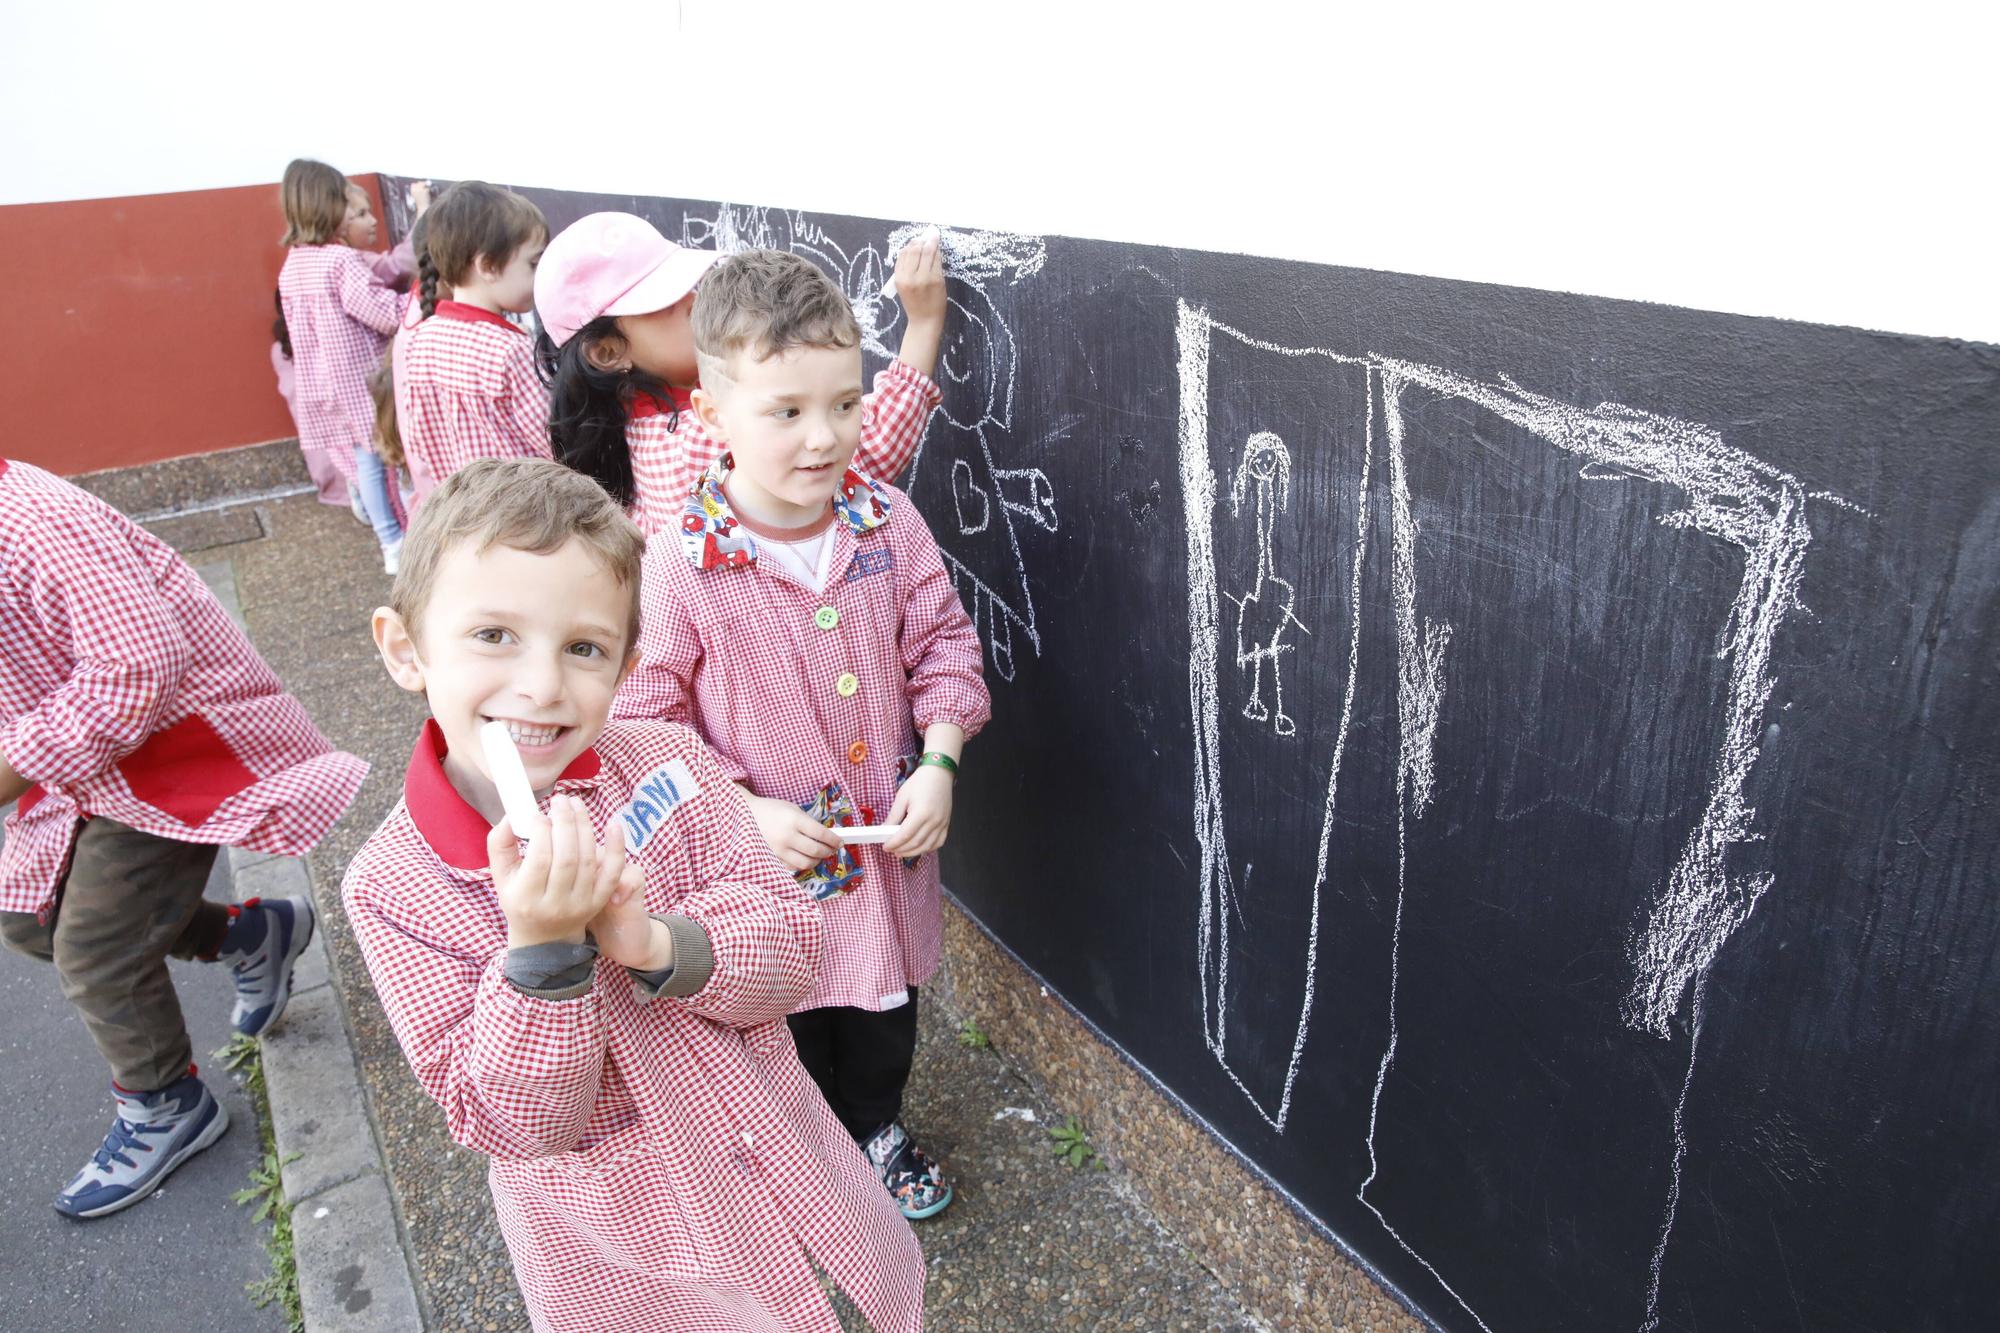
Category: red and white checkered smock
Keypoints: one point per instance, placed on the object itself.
(399, 360)
(339, 316)
(469, 388)
(670, 449)
(657, 1163)
(796, 690)
(127, 691)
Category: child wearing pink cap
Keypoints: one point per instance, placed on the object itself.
(466, 384)
(613, 297)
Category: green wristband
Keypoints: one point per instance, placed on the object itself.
(935, 759)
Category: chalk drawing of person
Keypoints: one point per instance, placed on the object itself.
(1265, 611)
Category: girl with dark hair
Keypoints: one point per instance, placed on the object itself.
(613, 297)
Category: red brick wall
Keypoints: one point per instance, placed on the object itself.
(139, 328)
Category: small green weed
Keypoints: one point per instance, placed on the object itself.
(970, 1037)
(267, 1191)
(1072, 1144)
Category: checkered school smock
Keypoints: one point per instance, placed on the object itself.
(819, 698)
(467, 388)
(339, 316)
(657, 1162)
(670, 448)
(126, 691)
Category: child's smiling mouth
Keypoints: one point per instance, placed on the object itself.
(530, 736)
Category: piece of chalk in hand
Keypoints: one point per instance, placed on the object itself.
(889, 287)
(868, 832)
(510, 775)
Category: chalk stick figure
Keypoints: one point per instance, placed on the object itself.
(1265, 610)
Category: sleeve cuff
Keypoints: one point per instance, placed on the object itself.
(27, 756)
(556, 970)
(694, 961)
(901, 371)
(970, 720)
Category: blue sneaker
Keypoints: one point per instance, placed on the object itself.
(264, 940)
(154, 1133)
(911, 1177)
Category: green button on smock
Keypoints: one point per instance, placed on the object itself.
(847, 684)
(826, 617)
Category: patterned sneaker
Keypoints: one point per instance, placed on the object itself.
(264, 940)
(154, 1133)
(911, 1177)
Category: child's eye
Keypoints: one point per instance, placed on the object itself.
(786, 413)
(849, 405)
(585, 649)
(490, 634)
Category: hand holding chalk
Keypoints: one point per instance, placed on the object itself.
(503, 765)
(927, 244)
(418, 197)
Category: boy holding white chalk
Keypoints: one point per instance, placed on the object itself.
(800, 616)
(609, 1032)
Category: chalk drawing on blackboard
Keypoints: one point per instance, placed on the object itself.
(1217, 876)
(1265, 609)
(1726, 493)
(976, 369)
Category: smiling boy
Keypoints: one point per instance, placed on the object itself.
(609, 1033)
(801, 618)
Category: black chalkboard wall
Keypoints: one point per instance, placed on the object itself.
(1522, 768)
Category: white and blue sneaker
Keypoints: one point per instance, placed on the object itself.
(263, 943)
(154, 1133)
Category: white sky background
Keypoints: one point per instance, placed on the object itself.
(1800, 160)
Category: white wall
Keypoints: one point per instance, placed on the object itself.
(1771, 160)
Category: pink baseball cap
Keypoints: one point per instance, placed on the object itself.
(611, 264)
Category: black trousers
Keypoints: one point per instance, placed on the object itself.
(860, 1059)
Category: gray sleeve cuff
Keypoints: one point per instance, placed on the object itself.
(557, 970)
(694, 961)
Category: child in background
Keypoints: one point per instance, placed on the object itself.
(340, 316)
(468, 383)
(609, 1032)
(394, 267)
(139, 730)
(800, 617)
(418, 306)
(613, 296)
(388, 439)
(332, 488)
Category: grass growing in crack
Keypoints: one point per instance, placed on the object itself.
(1072, 1144)
(267, 1191)
(970, 1037)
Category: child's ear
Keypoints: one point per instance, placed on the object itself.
(631, 660)
(608, 354)
(706, 411)
(398, 648)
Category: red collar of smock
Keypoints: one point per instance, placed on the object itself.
(472, 314)
(455, 831)
(650, 405)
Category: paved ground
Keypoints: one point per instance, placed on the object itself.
(188, 1247)
(1030, 1244)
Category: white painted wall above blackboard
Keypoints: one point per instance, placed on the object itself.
(1765, 159)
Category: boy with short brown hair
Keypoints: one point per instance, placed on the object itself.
(609, 1032)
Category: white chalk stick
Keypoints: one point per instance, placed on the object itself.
(510, 775)
(889, 287)
(868, 832)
